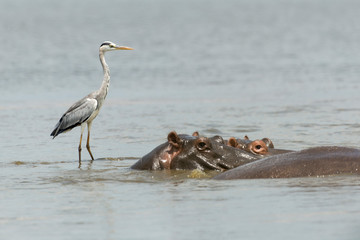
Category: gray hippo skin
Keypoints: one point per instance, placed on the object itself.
(194, 152)
(318, 161)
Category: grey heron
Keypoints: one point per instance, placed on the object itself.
(84, 111)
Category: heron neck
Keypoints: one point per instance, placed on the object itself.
(106, 80)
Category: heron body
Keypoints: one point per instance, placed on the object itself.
(84, 111)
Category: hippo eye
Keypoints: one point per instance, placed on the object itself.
(201, 146)
(258, 147)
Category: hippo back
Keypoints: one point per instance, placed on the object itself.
(318, 161)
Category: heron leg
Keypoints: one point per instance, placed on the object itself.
(88, 140)
(82, 131)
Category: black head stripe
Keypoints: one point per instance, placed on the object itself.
(105, 43)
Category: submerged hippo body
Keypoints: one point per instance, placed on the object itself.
(318, 161)
(194, 152)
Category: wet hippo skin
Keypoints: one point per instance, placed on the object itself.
(195, 152)
(318, 161)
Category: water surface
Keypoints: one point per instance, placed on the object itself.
(287, 70)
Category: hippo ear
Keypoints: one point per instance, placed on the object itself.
(195, 134)
(232, 142)
(246, 137)
(174, 139)
(268, 142)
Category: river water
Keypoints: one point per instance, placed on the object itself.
(287, 70)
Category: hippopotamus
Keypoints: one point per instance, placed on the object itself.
(317, 161)
(260, 147)
(195, 152)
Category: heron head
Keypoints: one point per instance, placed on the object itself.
(109, 46)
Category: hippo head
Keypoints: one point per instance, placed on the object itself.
(261, 147)
(194, 152)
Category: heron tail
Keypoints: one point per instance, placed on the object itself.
(56, 132)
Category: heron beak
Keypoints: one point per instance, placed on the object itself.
(123, 48)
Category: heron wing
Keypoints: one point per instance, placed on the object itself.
(78, 113)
